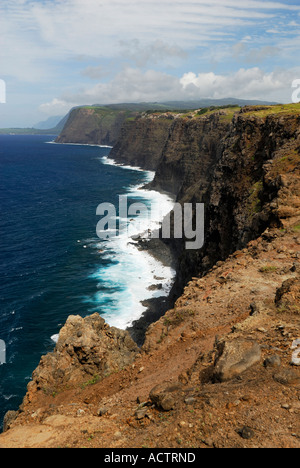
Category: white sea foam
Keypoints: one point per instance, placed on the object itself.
(111, 162)
(53, 142)
(124, 284)
(54, 338)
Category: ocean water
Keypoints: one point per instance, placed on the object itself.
(52, 263)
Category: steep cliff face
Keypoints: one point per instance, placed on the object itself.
(219, 158)
(94, 125)
(193, 147)
(87, 351)
(141, 140)
(219, 368)
(225, 165)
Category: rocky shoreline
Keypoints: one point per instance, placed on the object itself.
(156, 307)
(218, 368)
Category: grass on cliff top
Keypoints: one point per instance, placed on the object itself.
(260, 111)
(286, 164)
(227, 112)
(280, 109)
(105, 111)
(296, 228)
(99, 109)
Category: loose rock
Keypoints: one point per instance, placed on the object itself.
(247, 433)
(287, 377)
(273, 361)
(234, 358)
(165, 396)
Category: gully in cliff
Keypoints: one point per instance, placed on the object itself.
(184, 221)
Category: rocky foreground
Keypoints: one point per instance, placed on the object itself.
(221, 368)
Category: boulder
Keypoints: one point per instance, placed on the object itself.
(165, 396)
(234, 358)
(9, 418)
(87, 350)
(287, 377)
(288, 296)
(246, 433)
(272, 361)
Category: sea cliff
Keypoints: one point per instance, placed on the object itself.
(94, 125)
(220, 367)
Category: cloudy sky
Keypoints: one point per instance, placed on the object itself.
(55, 54)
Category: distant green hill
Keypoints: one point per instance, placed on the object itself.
(27, 131)
(51, 122)
(185, 105)
(137, 107)
(36, 131)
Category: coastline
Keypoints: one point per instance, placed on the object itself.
(155, 307)
(150, 307)
(158, 301)
(77, 144)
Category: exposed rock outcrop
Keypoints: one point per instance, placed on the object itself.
(234, 358)
(94, 125)
(141, 140)
(217, 369)
(87, 350)
(241, 170)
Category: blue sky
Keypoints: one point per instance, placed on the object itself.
(55, 54)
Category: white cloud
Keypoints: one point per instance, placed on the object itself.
(96, 72)
(254, 54)
(56, 107)
(154, 52)
(140, 50)
(37, 32)
(250, 83)
(133, 85)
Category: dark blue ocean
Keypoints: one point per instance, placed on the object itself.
(52, 264)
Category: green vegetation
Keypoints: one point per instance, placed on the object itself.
(254, 198)
(165, 111)
(178, 316)
(226, 115)
(27, 131)
(92, 381)
(280, 109)
(108, 116)
(212, 109)
(268, 269)
(288, 308)
(287, 163)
